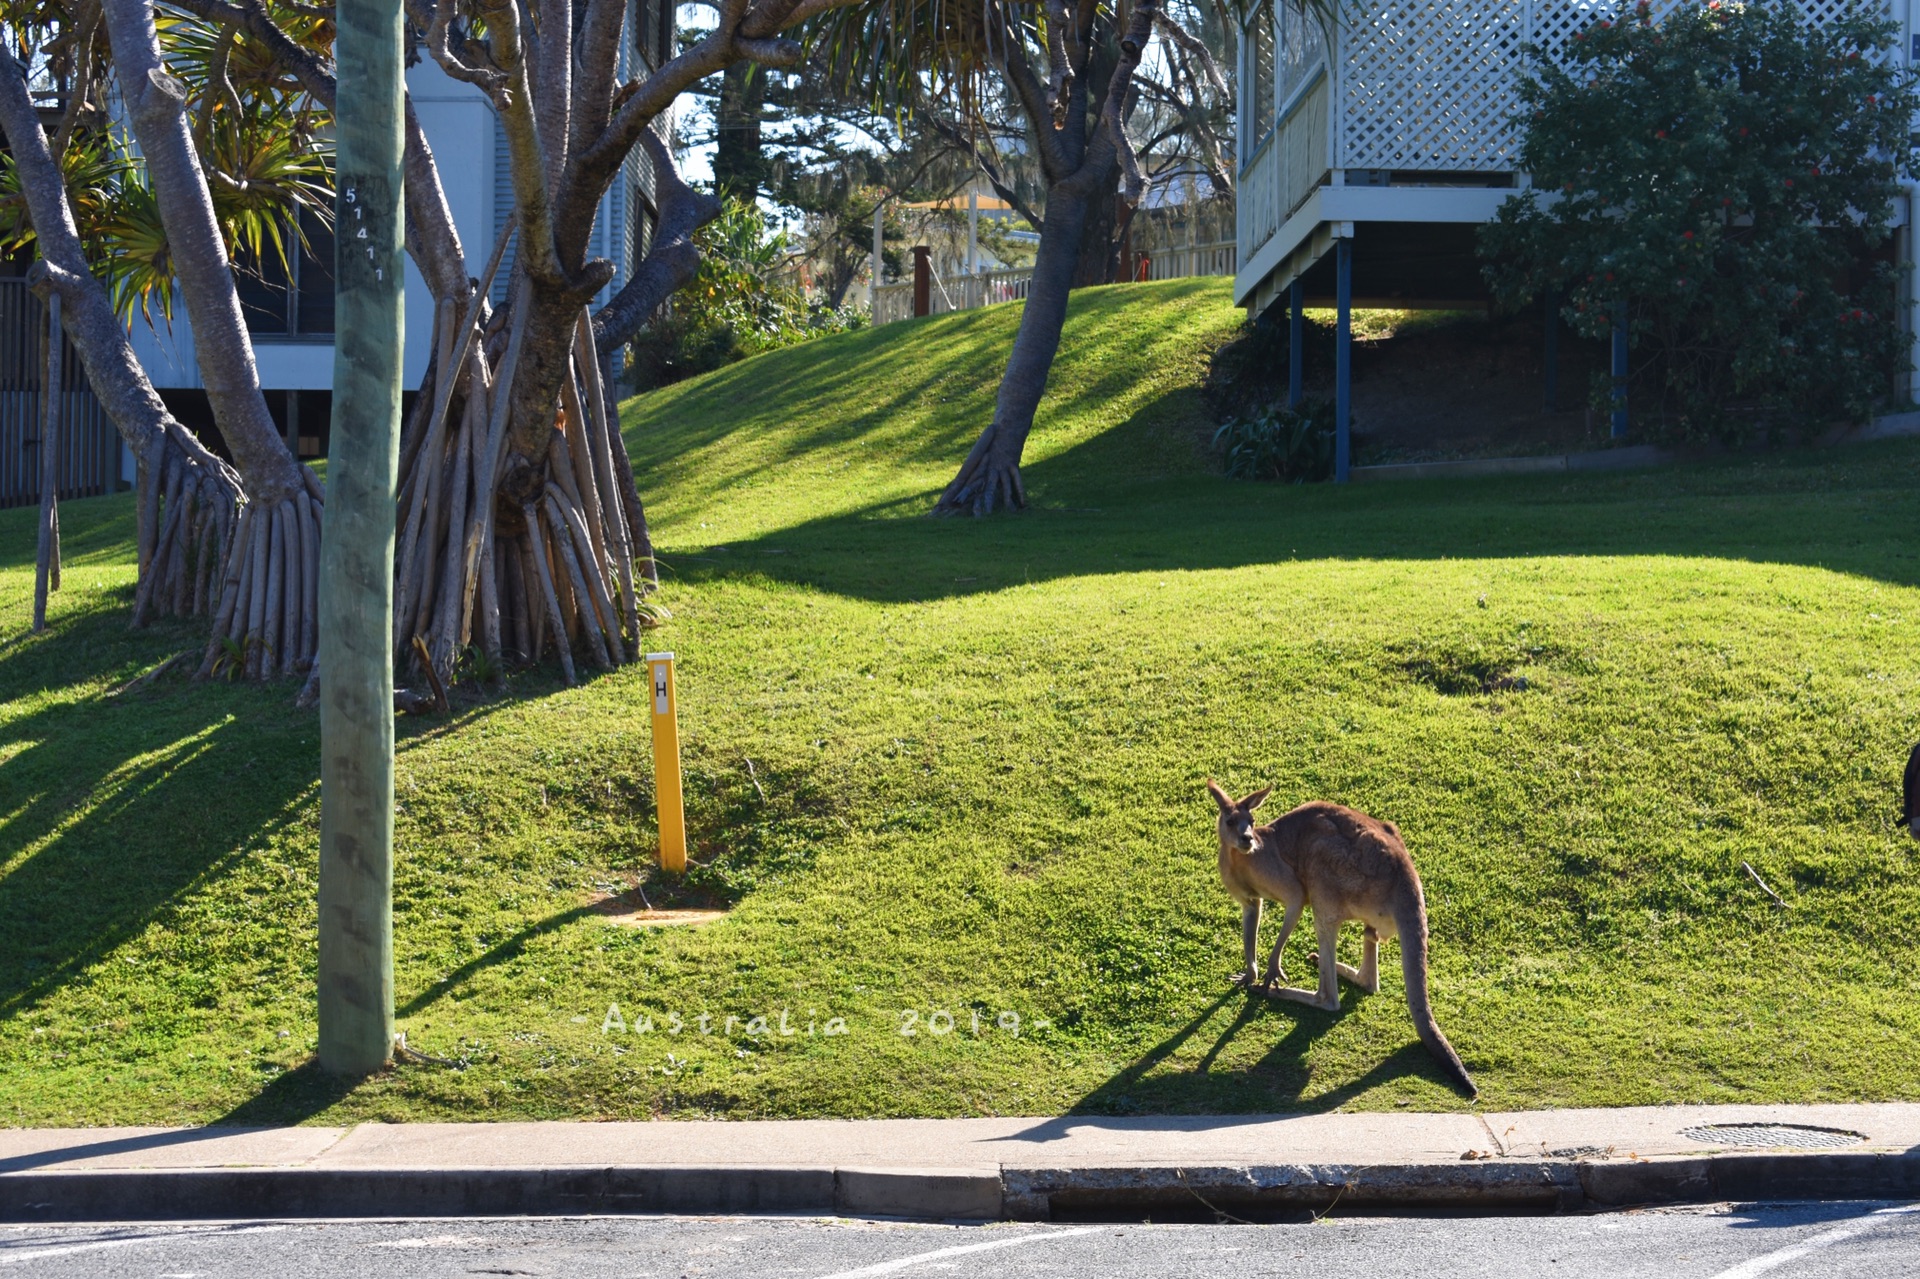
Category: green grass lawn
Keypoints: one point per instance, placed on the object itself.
(977, 756)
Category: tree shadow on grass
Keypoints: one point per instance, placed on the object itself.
(1845, 509)
(113, 812)
(854, 391)
(504, 952)
(116, 809)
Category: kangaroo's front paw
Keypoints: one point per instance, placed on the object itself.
(1245, 977)
(1273, 975)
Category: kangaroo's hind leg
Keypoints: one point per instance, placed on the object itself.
(1367, 976)
(1327, 998)
(1274, 971)
(1249, 943)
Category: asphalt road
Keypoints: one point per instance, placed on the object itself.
(1718, 1242)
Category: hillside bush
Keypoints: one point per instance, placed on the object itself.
(1729, 172)
(1279, 443)
(740, 304)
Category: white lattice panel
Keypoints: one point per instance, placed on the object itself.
(1429, 84)
(1433, 84)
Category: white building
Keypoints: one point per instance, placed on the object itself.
(1370, 154)
(290, 313)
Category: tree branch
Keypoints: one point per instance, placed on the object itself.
(156, 108)
(526, 156)
(436, 249)
(553, 96)
(113, 370)
(1133, 45)
(1054, 162)
(671, 261)
(601, 32)
(987, 165)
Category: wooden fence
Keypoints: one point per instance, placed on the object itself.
(963, 293)
(89, 445)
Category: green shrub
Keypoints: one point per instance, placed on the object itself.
(1730, 173)
(739, 304)
(1279, 443)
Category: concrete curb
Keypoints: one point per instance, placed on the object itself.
(1540, 1185)
(202, 1193)
(1021, 1194)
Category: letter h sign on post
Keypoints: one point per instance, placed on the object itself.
(666, 764)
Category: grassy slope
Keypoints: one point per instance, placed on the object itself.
(981, 746)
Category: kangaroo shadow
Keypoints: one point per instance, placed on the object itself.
(1277, 1083)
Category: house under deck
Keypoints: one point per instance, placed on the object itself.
(1374, 151)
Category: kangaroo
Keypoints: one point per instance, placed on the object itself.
(1345, 865)
(1910, 810)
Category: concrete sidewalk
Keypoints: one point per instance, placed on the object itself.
(1024, 1169)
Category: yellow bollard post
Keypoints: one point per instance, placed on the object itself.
(666, 764)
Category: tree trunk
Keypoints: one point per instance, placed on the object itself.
(182, 570)
(156, 109)
(46, 567)
(739, 165)
(1097, 245)
(258, 566)
(1080, 140)
(990, 477)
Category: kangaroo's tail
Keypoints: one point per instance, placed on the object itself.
(1413, 962)
(1910, 792)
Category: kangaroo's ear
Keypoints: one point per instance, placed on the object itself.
(1220, 796)
(1256, 799)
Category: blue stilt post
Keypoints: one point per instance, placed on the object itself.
(1620, 370)
(1343, 361)
(1552, 354)
(1296, 345)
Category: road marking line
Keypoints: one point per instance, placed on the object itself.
(1793, 1252)
(41, 1254)
(902, 1263)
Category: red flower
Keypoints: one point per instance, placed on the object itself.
(1743, 131)
(1727, 202)
(1789, 183)
(1609, 277)
(1659, 133)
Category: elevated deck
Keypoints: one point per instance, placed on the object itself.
(1395, 130)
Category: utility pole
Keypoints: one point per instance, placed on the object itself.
(356, 560)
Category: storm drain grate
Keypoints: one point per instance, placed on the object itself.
(1794, 1136)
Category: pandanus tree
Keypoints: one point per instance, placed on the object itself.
(520, 529)
(1069, 68)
